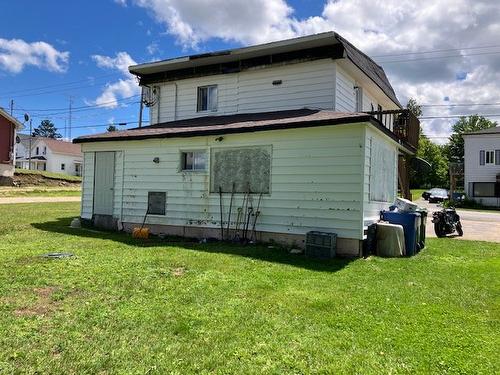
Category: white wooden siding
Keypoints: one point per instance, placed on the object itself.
(316, 180)
(309, 84)
(375, 139)
(473, 171)
(88, 185)
(345, 95)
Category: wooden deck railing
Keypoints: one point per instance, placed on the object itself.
(403, 123)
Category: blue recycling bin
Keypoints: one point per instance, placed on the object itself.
(411, 222)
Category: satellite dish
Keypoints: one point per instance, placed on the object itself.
(26, 117)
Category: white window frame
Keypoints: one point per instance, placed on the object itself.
(196, 153)
(212, 98)
(359, 98)
(491, 159)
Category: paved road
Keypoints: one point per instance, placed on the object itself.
(477, 225)
(11, 200)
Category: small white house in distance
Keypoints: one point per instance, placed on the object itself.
(285, 124)
(482, 166)
(48, 154)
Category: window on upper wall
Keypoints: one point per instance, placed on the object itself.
(193, 160)
(490, 157)
(359, 99)
(63, 167)
(207, 98)
(37, 151)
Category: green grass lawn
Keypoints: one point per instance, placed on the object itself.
(416, 193)
(39, 192)
(127, 306)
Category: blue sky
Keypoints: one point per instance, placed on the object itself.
(86, 46)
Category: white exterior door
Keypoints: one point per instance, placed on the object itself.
(104, 183)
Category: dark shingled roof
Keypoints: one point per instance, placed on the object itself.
(238, 123)
(323, 45)
(493, 130)
(369, 67)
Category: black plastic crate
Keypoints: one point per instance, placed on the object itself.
(321, 245)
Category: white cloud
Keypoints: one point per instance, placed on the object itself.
(377, 27)
(16, 54)
(121, 89)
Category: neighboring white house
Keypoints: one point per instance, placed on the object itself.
(50, 155)
(482, 166)
(281, 120)
(9, 127)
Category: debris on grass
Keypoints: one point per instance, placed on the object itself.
(57, 255)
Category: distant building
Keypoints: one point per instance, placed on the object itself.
(482, 166)
(8, 128)
(48, 154)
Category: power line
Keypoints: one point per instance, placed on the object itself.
(436, 51)
(458, 116)
(92, 79)
(439, 57)
(101, 105)
(461, 105)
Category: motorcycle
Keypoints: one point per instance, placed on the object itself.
(446, 222)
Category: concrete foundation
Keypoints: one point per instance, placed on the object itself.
(106, 222)
(346, 247)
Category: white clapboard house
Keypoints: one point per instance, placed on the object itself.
(48, 154)
(482, 166)
(311, 126)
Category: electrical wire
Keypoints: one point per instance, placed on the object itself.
(435, 51)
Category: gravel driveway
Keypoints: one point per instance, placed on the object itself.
(477, 225)
(11, 200)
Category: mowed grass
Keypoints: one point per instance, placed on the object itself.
(127, 306)
(39, 192)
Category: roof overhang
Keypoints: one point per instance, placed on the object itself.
(16, 122)
(225, 56)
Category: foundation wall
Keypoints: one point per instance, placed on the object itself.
(347, 247)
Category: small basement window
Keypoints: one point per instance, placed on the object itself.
(157, 202)
(63, 167)
(194, 160)
(207, 98)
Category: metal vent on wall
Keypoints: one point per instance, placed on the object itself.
(157, 202)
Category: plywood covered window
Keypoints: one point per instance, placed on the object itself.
(382, 172)
(249, 168)
(157, 202)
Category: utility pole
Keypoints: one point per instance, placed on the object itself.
(31, 136)
(11, 106)
(70, 115)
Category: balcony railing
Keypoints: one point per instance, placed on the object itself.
(403, 123)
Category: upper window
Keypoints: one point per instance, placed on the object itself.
(490, 157)
(193, 160)
(37, 151)
(207, 98)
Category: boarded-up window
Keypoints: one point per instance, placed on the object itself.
(382, 172)
(249, 168)
(157, 201)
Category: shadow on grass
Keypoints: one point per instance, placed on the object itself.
(262, 252)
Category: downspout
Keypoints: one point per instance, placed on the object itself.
(175, 101)
(158, 103)
(141, 106)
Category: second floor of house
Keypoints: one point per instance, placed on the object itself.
(322, 71)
